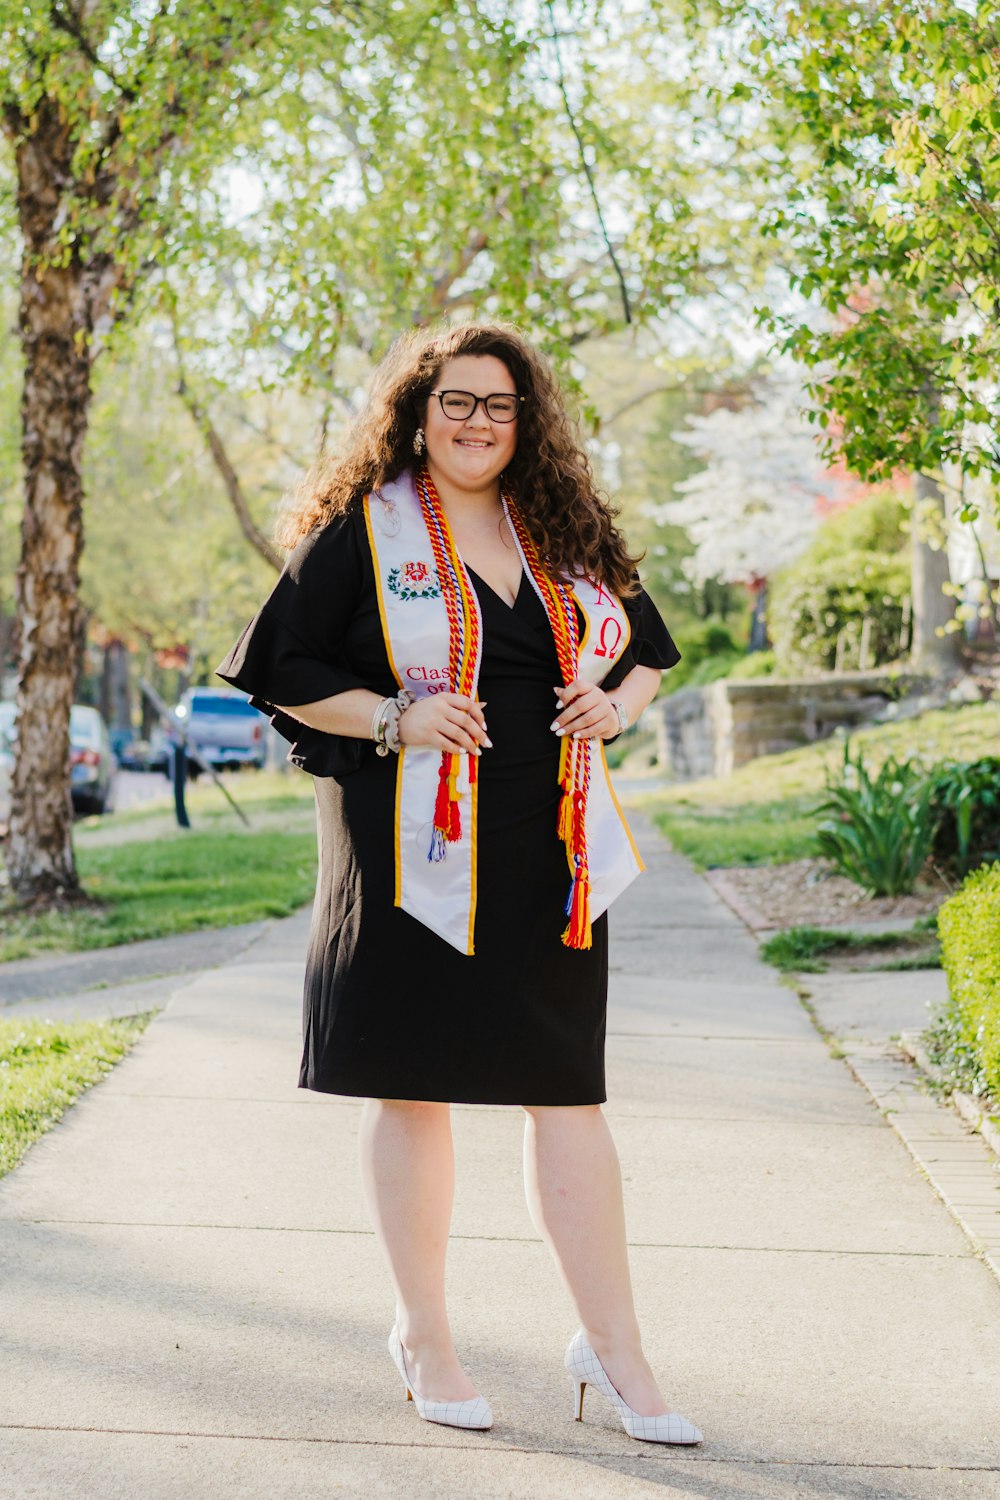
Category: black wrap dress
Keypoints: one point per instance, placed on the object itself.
(391, 1010)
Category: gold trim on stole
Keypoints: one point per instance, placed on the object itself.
(473, 809)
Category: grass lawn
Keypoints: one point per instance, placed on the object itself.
(269, 799)
(752, 834)
(804, 949)
(760, 814)
(45, 1066)
(153, 879)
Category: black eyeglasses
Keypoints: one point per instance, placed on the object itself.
(459, 406)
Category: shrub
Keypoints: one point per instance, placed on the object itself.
(965, 799)
(811, 607)
(878, 829)
(754, 664)
(855, 570)
(717, 638)
(708, 651)
(969, 927)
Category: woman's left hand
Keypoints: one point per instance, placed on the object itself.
(587, 712)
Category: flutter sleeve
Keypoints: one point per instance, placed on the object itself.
(289, 651)
(650, 644)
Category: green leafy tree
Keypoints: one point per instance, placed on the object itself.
(885, 160)
(183, 579)
(112, 114)
(406, 161)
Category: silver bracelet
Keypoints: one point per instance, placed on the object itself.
(622, 712)
(376, 731)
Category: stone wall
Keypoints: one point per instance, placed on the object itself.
(709, 731)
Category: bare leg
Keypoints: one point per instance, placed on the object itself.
(408, 1173)
(574, 1189)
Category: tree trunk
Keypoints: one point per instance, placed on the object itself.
(940, 655)
(759, 639)
(59, 304)
(54, 413)
(116, 692)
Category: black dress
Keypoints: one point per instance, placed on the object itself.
(391, 1010)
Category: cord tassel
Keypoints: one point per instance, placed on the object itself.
(442, 812)
(454, 815)
(579, 933)
(564, 818)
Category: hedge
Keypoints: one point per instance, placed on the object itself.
(969, 929)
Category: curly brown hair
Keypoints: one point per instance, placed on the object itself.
(571, 523)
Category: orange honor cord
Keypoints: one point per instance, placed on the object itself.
(463, 658)
(574, 755)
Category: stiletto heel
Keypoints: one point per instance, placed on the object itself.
(473, 1414)
(581, 1386)
(586, 1369)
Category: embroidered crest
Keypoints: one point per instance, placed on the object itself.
(414, 580)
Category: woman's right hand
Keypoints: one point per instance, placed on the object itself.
(445, 721)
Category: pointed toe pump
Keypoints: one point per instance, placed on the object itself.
(473, 1414)
(586, 1369)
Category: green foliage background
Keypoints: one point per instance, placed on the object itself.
(884, 156)
(969, 926)
(856, 569)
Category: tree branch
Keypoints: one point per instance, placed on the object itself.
(646, 395)
(230, 478)
(440, 290)
(268, 436)
(561, 80)
(14, 121)
(73, 27)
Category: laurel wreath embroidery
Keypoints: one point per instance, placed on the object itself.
(414, 580)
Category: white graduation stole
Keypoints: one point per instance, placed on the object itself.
(442, 893)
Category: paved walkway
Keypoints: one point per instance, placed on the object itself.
(77, 980)
(192, 1303)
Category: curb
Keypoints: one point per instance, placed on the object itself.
(970, 1108)
(957, 1163)
(748, 914)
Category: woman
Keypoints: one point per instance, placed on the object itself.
(458, 950)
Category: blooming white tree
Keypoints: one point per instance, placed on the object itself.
(763, 490)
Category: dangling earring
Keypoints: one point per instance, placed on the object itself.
(418, 441)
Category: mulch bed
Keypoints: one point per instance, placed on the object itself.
(806, 893)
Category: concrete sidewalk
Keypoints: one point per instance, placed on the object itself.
(192, 1303)
(71, 984)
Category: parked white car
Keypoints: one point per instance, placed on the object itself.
(92, 768)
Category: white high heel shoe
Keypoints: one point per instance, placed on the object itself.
(474, 1414)
(586, 1369)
